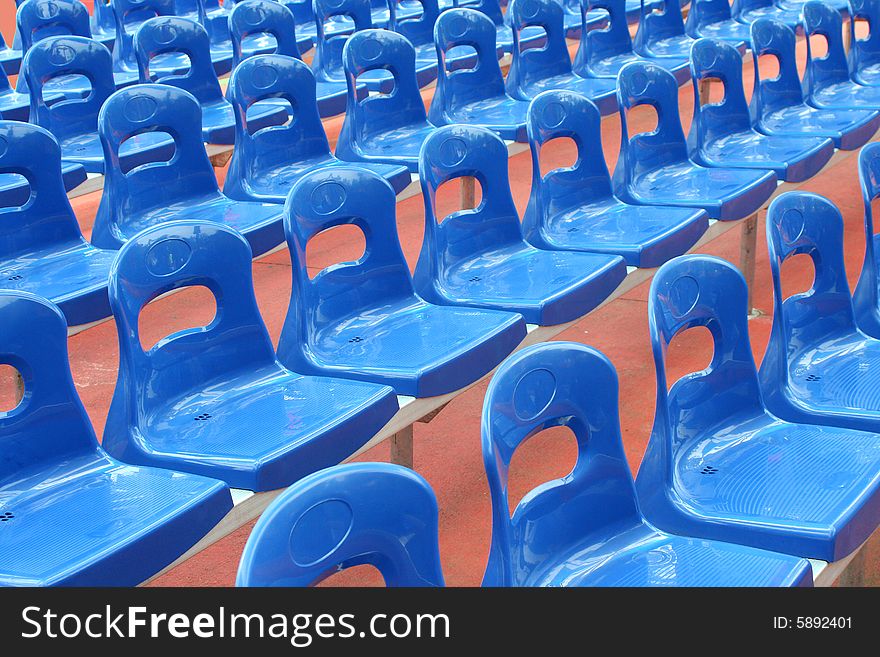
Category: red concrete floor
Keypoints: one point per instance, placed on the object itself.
(447, 451)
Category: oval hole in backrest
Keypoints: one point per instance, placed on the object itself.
(345, 243)
(20, 190)
(557, 153)
(711, 91)
(11, 388)
(389, 86)
(863, 28)
(356, 576)
(642, 119)
(187, 307)
(818, 46)
(270, 105)
(451, 197)
(461, 58)
(156, 146)
(546, 456)
(537, 39)
(689, 351)
(178, 57)
(55, 90)
(769, 66)
(797, 275)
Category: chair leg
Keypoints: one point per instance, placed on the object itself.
(747, 248)
(467, 193)
(402, 447)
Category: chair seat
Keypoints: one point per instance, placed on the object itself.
(264, 429)
(73, 277)
(678, 47)
(725, 194)
(646, 236)
(140, 149)
(218, 120)
(417, 348)
(272, 186)
(642, 556)
(529, 37)
(15, 191)
(396, 146)
(846, 95)
(89, 521)
(868, 75)
(601, 91)
(849, 129)
(728, 30)
(545, 287)
(794, 159)
(503, 115)
(798, 488)
(14, 106)
(788, 17)
(609, 67)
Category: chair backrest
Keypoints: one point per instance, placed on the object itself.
(864, 52)
(103, 15)
(46, 218)
(491, 8)
(168, 257)
(171, 34)
(40, 19)
(822, 20)
(646, 83)
(61, 56)
(451, 152)
(273, 76)
(552, 115)
(805, 223)
(129, 15)
(687, 292)
(770, 37)
(713, 59)
(327, 64)
(338, 196)
(50, 424)
(655, 25)
(537, 63)
(705, 12)
(188, 174)
(302, 11)
(466, 27)
(354, 514)
(543, 386)
(418, 29)
(370, 50)
(262, 17)
(612, 40)
(866, 297)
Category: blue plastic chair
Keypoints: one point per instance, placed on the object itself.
(170, 34)
(129, 15)
(74, 123)
(474, 96)
(214, 400)
(260, 44)
(530, 37)
(818, 364)
(103, 24)
(662, 34)
(827, 83)
(542, 69)
(363, 320)
(778, 107)
(41, 247)
(723, 133)
(10, 58)
(718, 464)
(378, 514)
(713, 19)
(267, 162)
(478, 257)
(603, 52)
(587, 529)
(268, 17)
(72, 515)
(653, 168)
(14, 106)
(387, 128)
(183, 187)
(749, 11)
(864, 54)
(574, 208)
(866, 298)
(15, 190)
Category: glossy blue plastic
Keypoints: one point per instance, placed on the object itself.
(41, 247)
(384, 128)
(15, 191)
(662, 34)
(723, 134)
(474, 96)
(478, 257)
(864, 53)
(13, 105)
(586, 529)
(574, 208)
(129, 15)
(216, 24)
(214, 400)
(379, 514)
(603, 52)
(749, 11)
(266, 163)
(827, 82)
(866, 297)
(712, 19)
(10, 58)
(103, 24)
(131, 200)
(818, 366)
(73, 516)
(170, 34)
(778, 107)
(363, 319)
(653, 168)
(261, 44)
(268, 17)
(530, 37)
(542, 69)
(718, 464)
(74, 122)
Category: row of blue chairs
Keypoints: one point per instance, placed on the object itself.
(746, 473)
